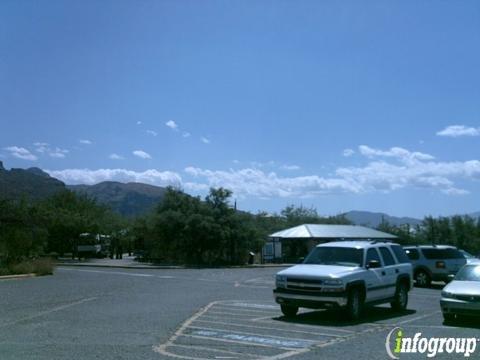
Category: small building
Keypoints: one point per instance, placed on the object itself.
(291, 244)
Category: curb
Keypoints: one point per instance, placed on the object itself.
(20, 276)
(140, 267)
(122, 266)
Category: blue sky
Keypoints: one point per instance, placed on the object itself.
(341, 105)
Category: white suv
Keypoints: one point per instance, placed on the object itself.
(348, 274)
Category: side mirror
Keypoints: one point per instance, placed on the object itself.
(300, 260)
(373, 264)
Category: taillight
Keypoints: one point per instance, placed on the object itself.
(440, 265)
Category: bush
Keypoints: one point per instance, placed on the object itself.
(41, 266)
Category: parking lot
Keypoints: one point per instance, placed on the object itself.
(86, 313)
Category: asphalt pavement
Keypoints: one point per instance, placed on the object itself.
(99, 313)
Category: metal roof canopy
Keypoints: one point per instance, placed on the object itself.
(316, 231)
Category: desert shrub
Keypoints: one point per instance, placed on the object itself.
(40, 266)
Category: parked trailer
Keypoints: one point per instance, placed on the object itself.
(93, 245)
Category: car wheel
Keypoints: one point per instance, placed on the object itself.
(401, 298)
(422, 279)
(354, 305)
(288, 310)
(448, 317)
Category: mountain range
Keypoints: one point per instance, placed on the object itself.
(128, 199)
(373, 219)
(35, 184)
(132, 199)
(32, 183)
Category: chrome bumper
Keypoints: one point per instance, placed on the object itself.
(459, 306)
(339, 301)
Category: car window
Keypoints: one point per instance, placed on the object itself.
(330, 255)
(453, 254)
(442, 254)
(400, 254)
(372, 254)
(433, 254)
(466, 254)
(469, 273)
(387, 256)
(412, 254)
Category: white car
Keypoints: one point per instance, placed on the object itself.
(469, 257)
(462, 295)
(346, 274)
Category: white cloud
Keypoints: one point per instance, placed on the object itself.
(386, 177)
(205, 140)
(41, 147)
(172, 124)
(257, 183)
(141, 154)
(455, 191)
(151, 132)
(348, 152)
(85, 142)
(406, 169)
(396, 169)
(115, 157)
(196, 187)
(139, 123)
(290, 167)
(57, 153)
(21, 153)
(87, 176)
(394, 152)
(459, 130)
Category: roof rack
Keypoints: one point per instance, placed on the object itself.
(376, 241)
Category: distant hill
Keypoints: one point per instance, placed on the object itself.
(374, 219)
(33, 184)
(129, 199)
(133, 199)
(475, 215)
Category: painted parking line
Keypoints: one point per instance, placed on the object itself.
(109, 272)
(273, 329)
(410, 320)
(212, 328)
(252, 305)
(231, 313)
(282, 338)
(303, 326)
(253, 311)
(247, 339)
(49, 311)
(208, 350)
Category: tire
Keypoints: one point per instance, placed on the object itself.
(448, 317)
(422, 279)
(289, 310)
(354, 305)
(401, 298)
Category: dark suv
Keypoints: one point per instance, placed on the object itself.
(434, 263)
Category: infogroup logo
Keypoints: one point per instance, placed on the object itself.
(397, 343)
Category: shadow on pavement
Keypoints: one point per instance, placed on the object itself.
(336, 317)
(464, 322)
(434, 286)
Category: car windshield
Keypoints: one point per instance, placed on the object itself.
(469, 273)
(341, 256)
(467, 254)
